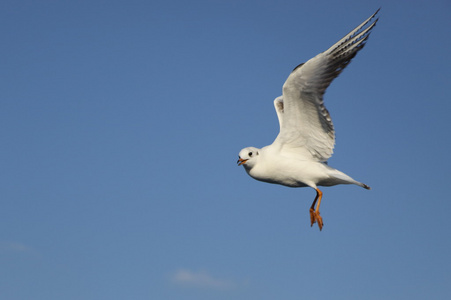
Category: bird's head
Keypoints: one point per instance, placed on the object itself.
(248, 157)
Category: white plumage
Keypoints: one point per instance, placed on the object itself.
(298, 156)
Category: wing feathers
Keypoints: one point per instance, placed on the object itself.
(353, 32)
(278, 105)
(305, 123)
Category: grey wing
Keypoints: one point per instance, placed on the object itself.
(306, 127)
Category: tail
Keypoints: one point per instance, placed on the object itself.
(364, 186)
(339, 177)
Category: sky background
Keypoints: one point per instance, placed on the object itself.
(121, 122)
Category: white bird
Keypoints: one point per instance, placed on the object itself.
(298, 156)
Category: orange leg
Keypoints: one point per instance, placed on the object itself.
(314, 213)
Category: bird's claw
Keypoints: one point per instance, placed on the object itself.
(316, 218)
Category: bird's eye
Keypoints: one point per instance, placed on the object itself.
(250, 154)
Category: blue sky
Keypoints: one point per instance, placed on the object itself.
(121, 122)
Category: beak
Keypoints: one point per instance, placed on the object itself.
(241, 161)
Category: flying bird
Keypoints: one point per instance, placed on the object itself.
(298, 156)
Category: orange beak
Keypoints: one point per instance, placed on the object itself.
(241, 161)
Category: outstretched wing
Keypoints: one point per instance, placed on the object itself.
(305, 124)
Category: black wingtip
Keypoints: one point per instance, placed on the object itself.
(377, 11)
(374, 15)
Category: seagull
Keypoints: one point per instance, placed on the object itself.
(298, 156)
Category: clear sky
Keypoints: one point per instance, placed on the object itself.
(121, 122)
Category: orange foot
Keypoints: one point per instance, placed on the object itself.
(315, 217)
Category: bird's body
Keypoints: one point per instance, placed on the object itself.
(272, 166)
(298, 156)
